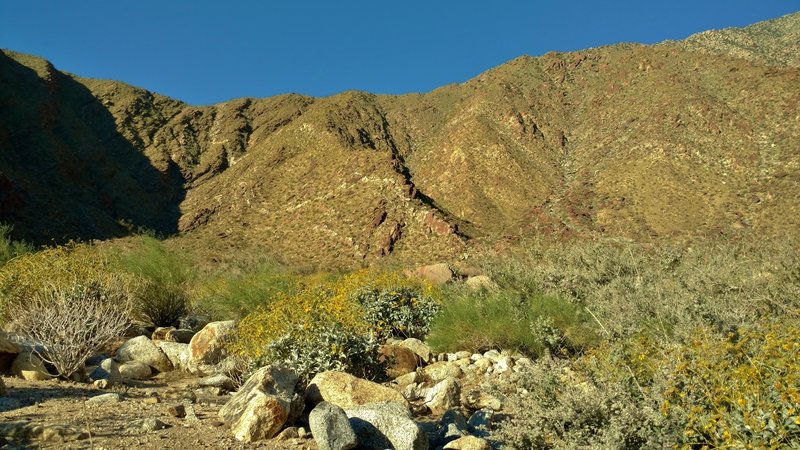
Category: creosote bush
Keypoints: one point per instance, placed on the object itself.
(162, 282)
(70, 324)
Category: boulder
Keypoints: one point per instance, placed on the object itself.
(439, 371)
(182, 336)
(443, 396)
(135, 370)
(265, 403)
(142, 349)
(8, 351)
(399, 360)
(419, 348)
(435, 273)
(481, 282)
(347, 391)
(386, 425)
(468, 443)
(30, 367)
(107, 370)
(331, 428)
(176, 353)
(208, 347)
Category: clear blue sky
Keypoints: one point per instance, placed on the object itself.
(204, 52)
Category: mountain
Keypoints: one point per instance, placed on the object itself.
(691, 139)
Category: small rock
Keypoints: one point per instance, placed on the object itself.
(61, 433)
(443, 396)
(287, 434)
(178, 411)
(409, 378)
(477, 399)
(135, 370)
(145, 426)
(503, 364)
(480, 422)
(218, 381)
(481, 282)
(302, 433)
(108, 370)
(152, 400)
(143, 350)
(210, 391)
(101, 384)
(347, 391)
(440, 370)
(452, 426)
(468, 443)
(434, 273)
(160, 333)
(463, 354)
(111, 397)
(482, 365)
(95, 360)
(492, 354)
(331, 428)
(30, 367)
(177, 353)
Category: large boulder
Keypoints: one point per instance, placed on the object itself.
(177, 353)
(386, 425)
(142, 349)
(208, 347)
(135, 370)
(348, 391)
(331, 428)
(434, 273)
(399, 360)
(30, 367)
(439, 371)
(265, 403)
(419, 348)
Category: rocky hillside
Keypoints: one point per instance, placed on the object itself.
(672, 141)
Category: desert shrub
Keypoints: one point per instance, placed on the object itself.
(660, 289)
(10, 249)
(312, 327)
(60, 268)
(70, 324)
(225, 297)
(528, 322)
(555, 407)
(161, 291)
(331, 347)
(739, 389)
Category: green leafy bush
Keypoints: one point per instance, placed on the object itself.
(331, 347)
(10, 249)
(397, 311)
(161, 293)
(531, 323)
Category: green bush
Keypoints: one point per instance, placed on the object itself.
(10, 249)
(397, 311)
(528, 322)
(161, 293)
(331, 347)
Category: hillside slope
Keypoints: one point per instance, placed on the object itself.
(672, 141)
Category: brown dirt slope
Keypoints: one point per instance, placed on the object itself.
(673, 141)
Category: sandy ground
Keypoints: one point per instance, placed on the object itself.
(57, 402)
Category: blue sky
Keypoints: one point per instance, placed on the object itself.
(204, 52)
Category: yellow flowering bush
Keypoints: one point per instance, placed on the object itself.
(310, 328)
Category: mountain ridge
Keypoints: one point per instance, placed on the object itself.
(639, 142)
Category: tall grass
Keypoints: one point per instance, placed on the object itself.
(10, 249)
